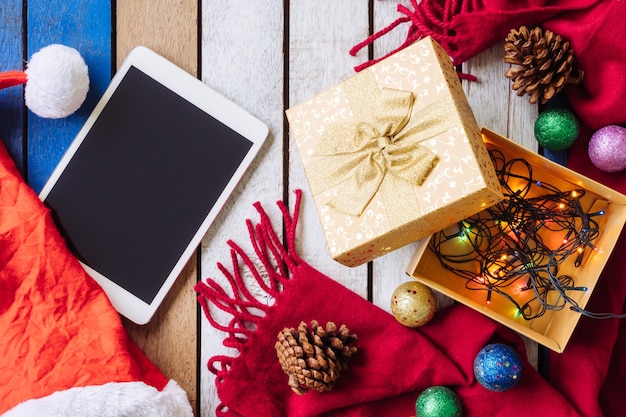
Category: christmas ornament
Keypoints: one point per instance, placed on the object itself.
(314, 358)
(56, 79)
(497, 367)
(438, 401)
(556, 129)
(545, 63)
(413, 304)
(607, 148)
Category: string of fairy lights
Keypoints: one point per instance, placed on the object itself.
(518, 245)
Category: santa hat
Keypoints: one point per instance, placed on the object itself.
(64, 351)
(56, 79)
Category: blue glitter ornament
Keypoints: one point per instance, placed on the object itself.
(438, 401)
(497, 367)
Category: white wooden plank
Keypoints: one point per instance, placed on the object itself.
(242, 58)
(494, 103)
(321, 33)
(389, 271)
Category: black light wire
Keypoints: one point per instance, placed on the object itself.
(516, 251)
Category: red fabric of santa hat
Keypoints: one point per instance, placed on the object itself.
(63, 350)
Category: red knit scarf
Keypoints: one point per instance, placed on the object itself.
(392, 366)
(465, 28)
(594, 29)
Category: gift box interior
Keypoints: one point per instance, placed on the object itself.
(546, 307)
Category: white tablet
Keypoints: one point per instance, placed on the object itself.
(146, 176)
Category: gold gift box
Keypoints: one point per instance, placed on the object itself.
(554, 328)
(393, 154)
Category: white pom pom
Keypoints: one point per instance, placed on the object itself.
(58, 82)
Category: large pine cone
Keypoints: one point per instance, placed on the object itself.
(545, 63)
(313, 358)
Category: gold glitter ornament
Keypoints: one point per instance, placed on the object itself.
(413, 304)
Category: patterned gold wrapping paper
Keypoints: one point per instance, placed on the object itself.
(393, 154)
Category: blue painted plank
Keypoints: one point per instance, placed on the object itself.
(87, 27)
(560, 157)
(11, 99)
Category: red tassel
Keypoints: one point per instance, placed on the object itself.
(277, 259)
(428, 18)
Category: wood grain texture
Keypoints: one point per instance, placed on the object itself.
(170, 339)
(494, 103)
(11, 99)
(242, 58)
(389, 271)
(85, 26)
(319, 41)
(170, 28)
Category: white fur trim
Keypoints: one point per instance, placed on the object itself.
(57, 81)
(115, 399)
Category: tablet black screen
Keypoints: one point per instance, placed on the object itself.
(142, 182)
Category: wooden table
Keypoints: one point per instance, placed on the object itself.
(264, 55)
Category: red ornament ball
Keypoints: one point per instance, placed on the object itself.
(413, 304)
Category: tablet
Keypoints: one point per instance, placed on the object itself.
(146, 176)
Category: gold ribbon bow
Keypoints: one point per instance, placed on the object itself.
(380, 147)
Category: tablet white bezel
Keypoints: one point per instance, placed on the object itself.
(203, 97)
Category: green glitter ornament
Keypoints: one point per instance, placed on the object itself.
(438, 401)
(556, 129)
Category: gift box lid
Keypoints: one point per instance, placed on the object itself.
(393, 154)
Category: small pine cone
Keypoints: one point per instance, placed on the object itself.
(314, 357)
(545, 63)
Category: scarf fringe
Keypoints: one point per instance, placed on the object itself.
(428, 18)
(275, 264)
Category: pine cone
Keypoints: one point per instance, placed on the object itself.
(314, 358)
(545, 63)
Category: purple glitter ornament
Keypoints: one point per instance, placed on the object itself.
(607, 148)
